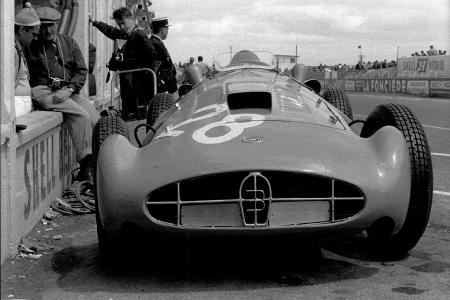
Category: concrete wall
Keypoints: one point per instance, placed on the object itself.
(7, 135)
(45, 159)
(35, 164)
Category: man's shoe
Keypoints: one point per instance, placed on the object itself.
(86, 172)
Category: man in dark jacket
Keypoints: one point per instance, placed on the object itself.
(138, 52)
(57, 74)
(166, 72)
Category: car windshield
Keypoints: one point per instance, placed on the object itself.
(245, 59)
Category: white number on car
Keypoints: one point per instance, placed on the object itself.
(235, 124)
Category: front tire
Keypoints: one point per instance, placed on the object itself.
(421, 193)
(106, 127)
(340, 100)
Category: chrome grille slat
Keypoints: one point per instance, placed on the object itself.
(340, 207)
(332, 201)
(238, 200)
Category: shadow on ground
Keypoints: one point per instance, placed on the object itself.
(360, 248)
(201, 267)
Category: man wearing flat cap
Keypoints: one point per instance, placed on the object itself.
(26, 29)
(166, 72)
(57, 74)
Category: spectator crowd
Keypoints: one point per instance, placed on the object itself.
(430, 52)
(362, 65)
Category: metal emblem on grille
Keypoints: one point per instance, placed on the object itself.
(255, 194)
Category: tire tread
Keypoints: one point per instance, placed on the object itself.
(339, 100)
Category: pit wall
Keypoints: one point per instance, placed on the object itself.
(36, 163)
(45, 158)
(427, 76)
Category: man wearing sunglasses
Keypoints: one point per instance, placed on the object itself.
(26, 29)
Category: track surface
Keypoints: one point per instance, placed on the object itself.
(346, 269)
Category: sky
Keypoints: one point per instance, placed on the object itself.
(325, 31)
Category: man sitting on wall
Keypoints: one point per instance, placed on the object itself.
(26, 29)
(57, 74)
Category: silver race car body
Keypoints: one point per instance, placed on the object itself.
(252, 151)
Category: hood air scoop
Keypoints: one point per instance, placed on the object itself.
(259, 101)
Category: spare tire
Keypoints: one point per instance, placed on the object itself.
(421, 193)
(106, 127)
(160, 103)
(339, 99)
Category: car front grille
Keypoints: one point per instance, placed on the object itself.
(255, 199)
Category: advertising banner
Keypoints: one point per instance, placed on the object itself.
(424, 67)
(440, 87)
(377, 85)
(417, 87)
(349, 85)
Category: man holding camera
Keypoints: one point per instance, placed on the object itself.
(138, 52)
(57, 74)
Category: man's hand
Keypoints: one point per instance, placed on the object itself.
(62, 95)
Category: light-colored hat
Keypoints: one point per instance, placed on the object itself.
(160, 22)
(48, 14)
(27, 16)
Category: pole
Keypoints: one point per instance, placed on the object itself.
(231, 52)
(149, 20)
(398, 47)
(360, 54)
(296, 50)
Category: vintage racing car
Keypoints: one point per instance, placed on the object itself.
(251, 151)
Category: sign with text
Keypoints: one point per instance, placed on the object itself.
(424, 67)
(377, 85)
(440, 87)
(44, 169)
(417, 87)
(349, 85)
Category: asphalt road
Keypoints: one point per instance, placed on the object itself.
(340, 269)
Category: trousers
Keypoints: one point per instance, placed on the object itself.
(135, 89)
(78, 113)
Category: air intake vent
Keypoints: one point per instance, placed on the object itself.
(250, 100)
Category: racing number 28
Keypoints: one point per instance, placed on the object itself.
(234, 125)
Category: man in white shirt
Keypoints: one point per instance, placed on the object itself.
(26, 29)
(203, 66)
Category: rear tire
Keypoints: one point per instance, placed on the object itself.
(340, 100)
(161, 102)
(106, 127)
(421, 193)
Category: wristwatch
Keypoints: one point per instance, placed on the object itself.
(71, 90)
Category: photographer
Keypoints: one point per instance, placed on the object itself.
(57, 74)
(138, 52)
